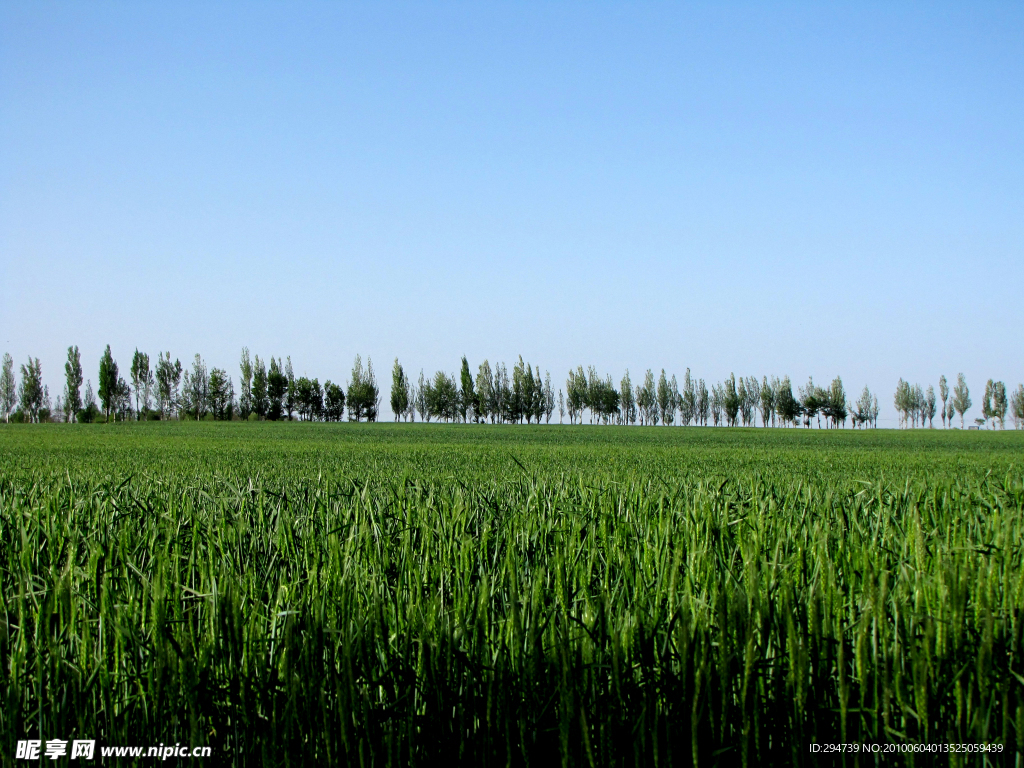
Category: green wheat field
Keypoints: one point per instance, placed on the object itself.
(419, 594)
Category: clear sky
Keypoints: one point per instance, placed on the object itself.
(802, 189)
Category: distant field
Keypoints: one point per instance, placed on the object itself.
(395, 594)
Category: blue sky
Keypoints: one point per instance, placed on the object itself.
(802, 189)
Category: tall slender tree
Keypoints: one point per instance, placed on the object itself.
(8, 387)
(944, 395)
(767, 401)
(627, 402)
(1017, 407)
(399, 390)
(168, 376)
(929, 407)
(688, 406)
(751, 400)
(485, 391)
(786, 406)
(221, 395)
(245, 385)
(467, 395)
(730, 400)
(260, 398)
(987, 405)
(277, 389)
(72, 384)
(549, 398)
(363, 395)
(703, 401)
(30, 393)
(999, 403)
(108, 388)
(140, 377)
(334, 401)
(289, 395)
(961, 398)
(195, 394)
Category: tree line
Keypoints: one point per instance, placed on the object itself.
(269, 390)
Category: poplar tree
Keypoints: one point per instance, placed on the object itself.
(220, 395)
(862, 408)
(688, 406)
(767, 400)
(999, 403)
(140, 378)
(72, 384)
(986, 401)
(108, 388)
(944, 395)
(730, 400)
(835, 403)
(289, 396)
(810, 403)
(399, 390)
(334, 401)
(363, 395)
(260, 398)
(703, 402)
(786, 406)
(195, 391)
(421, 399)
(485, 391)
(277, 389)
(410, 400)
(8, 387)
(575, 393)
(468, 403)
(647, 400)
(1017, 407)
(245, 384)
(751, 401)
(717, 403)
(663, 397)
(961, 398)
(549, 398)
(168, 375)
(31, 390)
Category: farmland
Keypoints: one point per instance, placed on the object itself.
(385, 594)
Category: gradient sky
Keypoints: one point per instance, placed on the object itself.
(802, 189)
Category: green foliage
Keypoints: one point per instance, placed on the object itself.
(277, 389)
(1017, 407)
(334, 401)
(260, 398)
(309, 399)
(245, 405)
(961, 398)
(31, 397)
(399, 595)
(142, 379)
(363, 395)
(467, 396)
(72, 384)
(108, 387)
(8, 387)
(400, 390)
(168, 377)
